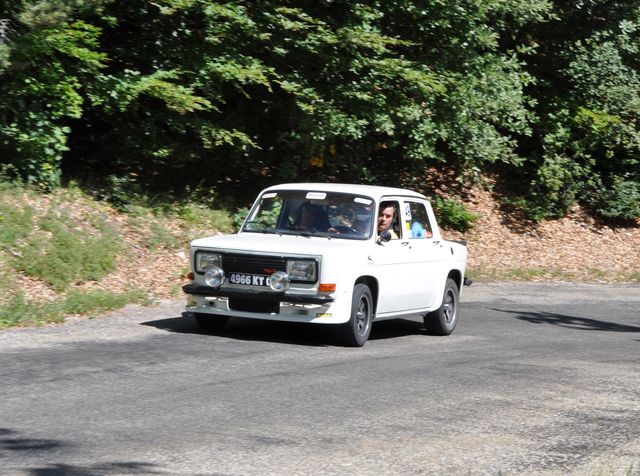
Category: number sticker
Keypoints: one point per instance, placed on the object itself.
(407, 211)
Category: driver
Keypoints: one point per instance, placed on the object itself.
(386, 217)
(312, 217)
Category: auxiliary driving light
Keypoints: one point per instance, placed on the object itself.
(214, 276)
(279, 281)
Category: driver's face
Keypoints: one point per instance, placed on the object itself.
(307, 218)
(385, 218)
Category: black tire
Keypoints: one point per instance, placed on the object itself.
(207, 322)
(443, 321)
(355, 332)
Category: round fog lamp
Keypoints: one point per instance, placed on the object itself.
(214, 276)
(279, 281)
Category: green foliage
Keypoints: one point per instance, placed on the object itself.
(239, 217)
(589, 144)
(453, 214)
(45, 62)
(206, 218)
(620, 201)
(176, 94)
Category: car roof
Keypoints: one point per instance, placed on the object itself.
(372, 191)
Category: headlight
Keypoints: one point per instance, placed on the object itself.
(279, 281)
(214, 276)
(206, 260)
(302, 270)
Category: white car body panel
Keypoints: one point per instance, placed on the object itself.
(408, 275)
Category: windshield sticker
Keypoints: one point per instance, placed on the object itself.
(316, 195)
(364, 201)
(270, 195)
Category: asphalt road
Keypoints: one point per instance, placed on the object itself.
(537, 379)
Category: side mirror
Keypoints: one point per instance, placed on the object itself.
(385, 236)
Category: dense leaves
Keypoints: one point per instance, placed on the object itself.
(231, 95)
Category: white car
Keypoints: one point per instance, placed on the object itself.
(312, 253)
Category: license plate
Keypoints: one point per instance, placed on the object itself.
(248, 279)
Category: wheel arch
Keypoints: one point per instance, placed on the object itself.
(456, 275)
(373, 286)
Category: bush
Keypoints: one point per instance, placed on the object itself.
(453, 214)
(619, 202)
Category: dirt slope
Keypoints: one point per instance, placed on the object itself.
(574, 248)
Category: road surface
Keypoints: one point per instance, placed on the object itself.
(537, 379)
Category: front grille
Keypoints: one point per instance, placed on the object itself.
(252, 264)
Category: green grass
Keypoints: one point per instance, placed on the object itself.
(21, 312)
(15, 224)
(85, 302)
(203, 217)
(543, 274)
(59, 254)
(632, 277)
(518, 274)
(18, 311)
(64, 238)
(195, 220)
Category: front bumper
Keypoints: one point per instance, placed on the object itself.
(315, 308)
(201, 290)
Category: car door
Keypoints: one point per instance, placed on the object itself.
(426, 255)
(392, 260)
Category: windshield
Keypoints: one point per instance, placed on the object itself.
(300, 212)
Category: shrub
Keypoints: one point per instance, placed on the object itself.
(454, 214)
(619, 202)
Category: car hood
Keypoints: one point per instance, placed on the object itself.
(268, 243)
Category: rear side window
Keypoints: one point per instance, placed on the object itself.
(416, 221)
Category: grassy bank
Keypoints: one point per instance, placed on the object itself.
(66, 253)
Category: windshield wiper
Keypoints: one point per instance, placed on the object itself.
(313, 232)
(260, 230)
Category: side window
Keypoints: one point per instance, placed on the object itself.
(416, 221)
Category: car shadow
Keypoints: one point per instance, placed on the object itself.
(395, 328)
(569, 322)
(292, 333)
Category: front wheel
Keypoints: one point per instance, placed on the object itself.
(355, 332)
(443, 321)
(207, 322)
